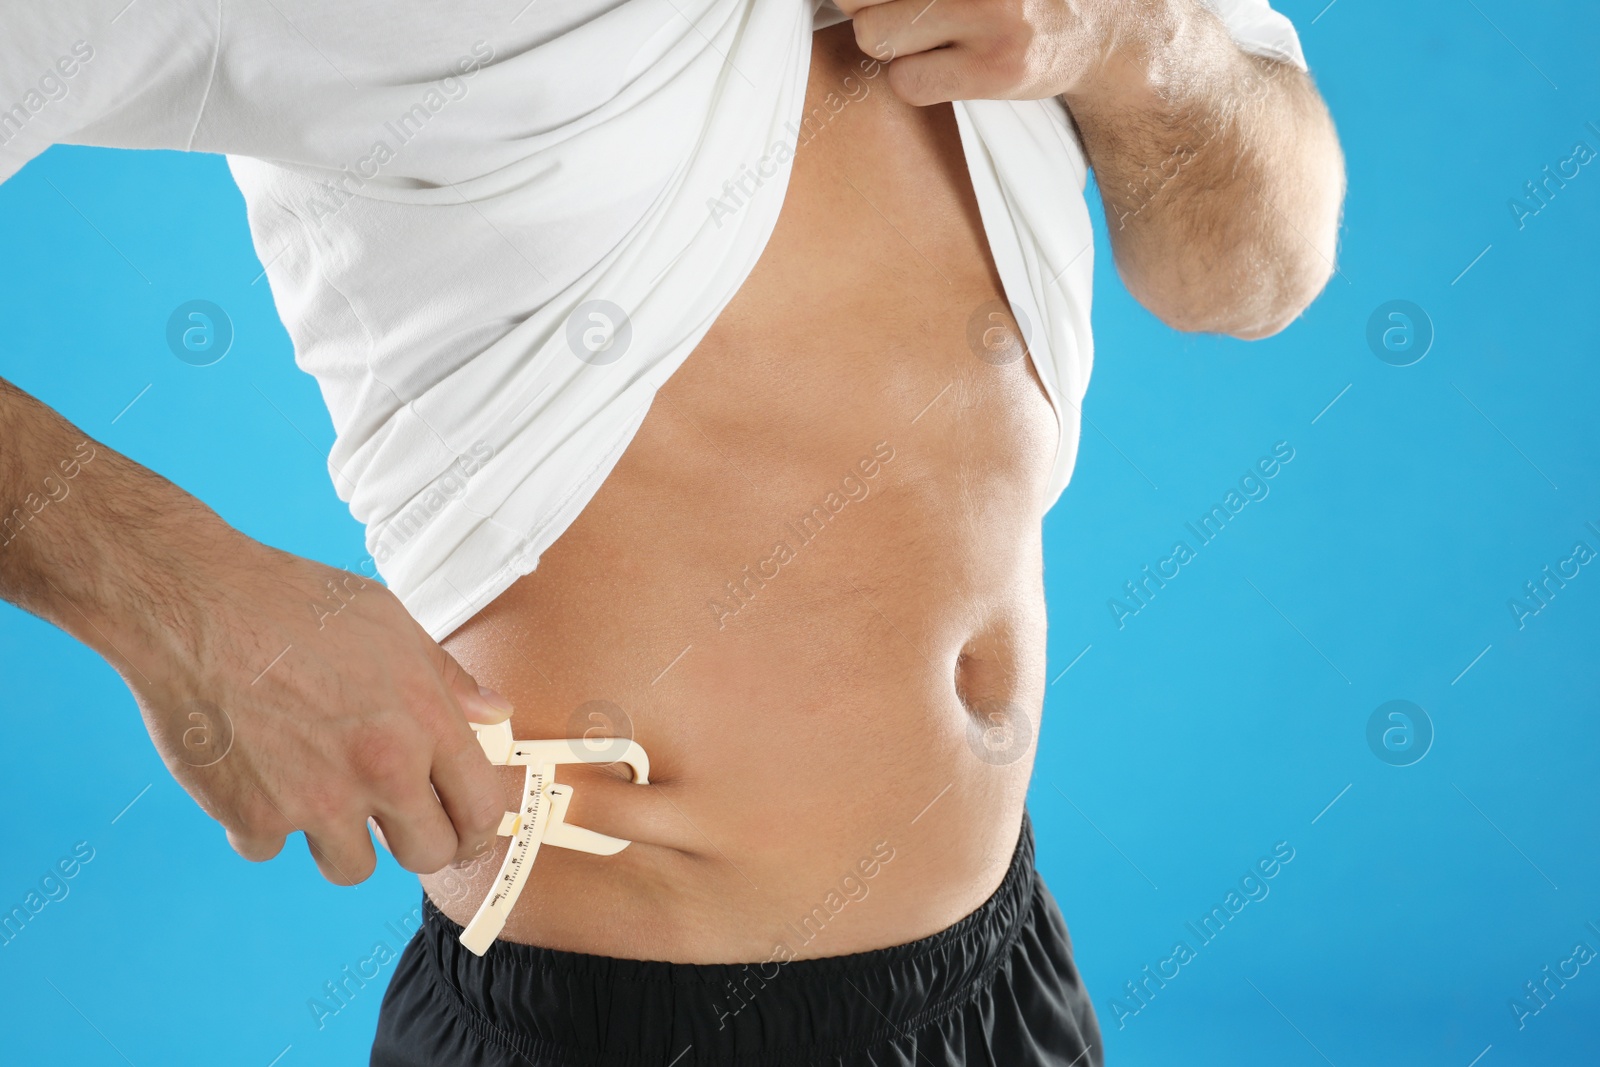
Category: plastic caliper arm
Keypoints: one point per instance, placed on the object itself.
(542, 815)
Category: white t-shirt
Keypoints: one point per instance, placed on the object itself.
(494, 229)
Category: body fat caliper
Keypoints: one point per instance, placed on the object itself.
(542, 818)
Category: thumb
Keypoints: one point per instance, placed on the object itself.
(479, 703)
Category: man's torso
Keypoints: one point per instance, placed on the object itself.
(811, 588)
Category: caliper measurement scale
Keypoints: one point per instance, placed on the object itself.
(543, 815)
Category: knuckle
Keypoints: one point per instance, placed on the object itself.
(1006, 61)
(864, 23)
(255, 815)
(870, 35)
(239, 814)
(908, 86)
(381, 757)
(319, 805)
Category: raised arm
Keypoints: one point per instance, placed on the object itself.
(282, 694)
(1220, 171)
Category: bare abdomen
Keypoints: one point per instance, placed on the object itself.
(811, 588)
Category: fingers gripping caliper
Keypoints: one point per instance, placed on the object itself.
(542, 818)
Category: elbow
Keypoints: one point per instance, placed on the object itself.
(1284, 299)
(1249, 304)
(1259, 274)
(1298, 261)
(1257, 290)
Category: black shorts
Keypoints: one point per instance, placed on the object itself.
(997, 989)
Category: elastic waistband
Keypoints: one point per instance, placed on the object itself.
(549, 1005)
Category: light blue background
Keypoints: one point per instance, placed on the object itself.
(1223, 718)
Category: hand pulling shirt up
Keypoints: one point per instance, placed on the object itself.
(494, 229)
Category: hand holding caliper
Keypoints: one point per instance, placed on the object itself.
(541, 819)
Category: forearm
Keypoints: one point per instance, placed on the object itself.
(1220, 172)
(368, 717)
(87, 536)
